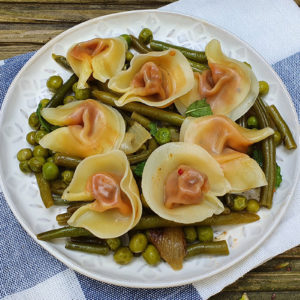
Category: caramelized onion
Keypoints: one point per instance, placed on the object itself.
(170, 243)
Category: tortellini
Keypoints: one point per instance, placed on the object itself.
(155, 79)
(181, 181)
(107, 178)
(228, 142)
(230, 86)
(90, 128)
(101, 58)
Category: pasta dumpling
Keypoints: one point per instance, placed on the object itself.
(106, 179)
(181, 181)
(155, 79)
(230, 86)
(100, 58)
(228, 143)
(89, 128)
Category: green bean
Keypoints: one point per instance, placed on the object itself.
(68, 231)
(153, 221)
(198, 56)
(151, 112)
(138, 46)
(88, 240)
(60, 94)
(129, 56)
(269, 152)
(127, 39)
(57, 187)
(198, 67)
(58, 201)
(213, 248)
(62, 61)
(74, 206)
(66, 161)
(63, 218)
(141, 119)
(88, 248)
(205, 233)
(282, 127)
(190, 234)
(277, 138)
(45, 190)
(139, 157)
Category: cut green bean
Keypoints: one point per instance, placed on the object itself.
(148, 111)
(62, 61)
(211, 248)
(153, 221)
(269, 153)
(88, 248)
(139, 157)
(45, 190)
(88, 240)
(198, 56)
(198, 67)
(59, 201)
(58, 97)
(138, 46)
(63, 218)
(57, 187)
(66, 161)
(72, 208)
(282, 127)
(68, 231)
(141, 119)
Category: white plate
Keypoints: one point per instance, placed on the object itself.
(21, 191)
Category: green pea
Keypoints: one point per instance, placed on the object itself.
(129, 56)
(67, 176)
(50, 159)
(74, 87)
(190, 233)
(36, 163)
(54, 83)
(127, 39)
(24, 154)
(239, 203)
(263, 88)
(253, 206)
(30, 138)
(252, 122)
(39, 135)
(163, 135)
(205, 233)
(146, 36)
(24, 166)
(151, 255)
(50, 171)
(33, 121)
(123, 256)
(82, 94)
(114, 243)
(40, 151)
(277, 138)
(138, 243)
(44, 102)
(69, 99)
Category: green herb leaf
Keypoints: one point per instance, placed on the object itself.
(138, 170)
(278, 177)
(153, 128)
(199, 108)
(46, 126)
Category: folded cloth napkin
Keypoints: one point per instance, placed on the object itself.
(272, 28)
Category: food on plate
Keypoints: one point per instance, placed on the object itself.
(155, 79)
(153, 179)
(106, 179)
(229, 86)
(87, 128)
(100, 58)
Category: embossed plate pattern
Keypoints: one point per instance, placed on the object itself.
(21, 191)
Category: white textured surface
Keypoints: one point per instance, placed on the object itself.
(21, 191)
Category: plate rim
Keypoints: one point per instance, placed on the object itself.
(117, 282)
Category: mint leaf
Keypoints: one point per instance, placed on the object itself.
(138, 170)
(153, 128)
(199, 108)
(278, 177)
